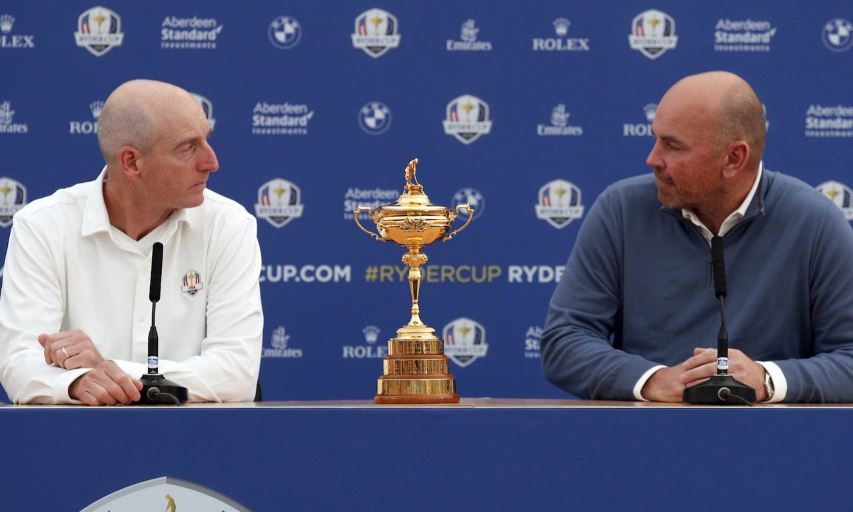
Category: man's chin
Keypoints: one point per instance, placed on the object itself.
(667, 200)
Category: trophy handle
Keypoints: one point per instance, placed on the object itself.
(367, 209)
(470, 218)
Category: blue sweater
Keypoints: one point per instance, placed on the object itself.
(638, 291)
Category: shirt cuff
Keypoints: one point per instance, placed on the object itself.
(780, 385)
(63, 382)
(638, 387)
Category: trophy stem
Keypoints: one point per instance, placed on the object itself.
(414, 259)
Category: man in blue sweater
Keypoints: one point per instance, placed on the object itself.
(635, 316)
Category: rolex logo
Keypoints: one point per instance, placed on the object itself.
(561, 27)
(651, 109)
(6, 22)
(371, 333)
(96, 107)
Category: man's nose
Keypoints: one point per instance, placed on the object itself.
(653, 159)
(209, 163)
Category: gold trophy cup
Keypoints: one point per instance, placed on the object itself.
(416, 370)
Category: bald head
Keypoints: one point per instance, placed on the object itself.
(732, 105)
(134, 115)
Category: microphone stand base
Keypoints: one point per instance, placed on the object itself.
(155, 386)
(720, 390)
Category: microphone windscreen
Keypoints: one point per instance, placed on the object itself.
(718, 266)
(156, 272)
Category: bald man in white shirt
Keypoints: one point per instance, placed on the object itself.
(74, 309)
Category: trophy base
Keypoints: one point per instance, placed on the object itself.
(416, 370)
(411, 389)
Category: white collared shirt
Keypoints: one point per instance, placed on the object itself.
(68, 268)
(779, 383)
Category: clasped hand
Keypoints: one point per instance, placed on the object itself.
(104, 384)
(668, 384)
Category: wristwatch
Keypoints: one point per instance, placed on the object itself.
(768, 385)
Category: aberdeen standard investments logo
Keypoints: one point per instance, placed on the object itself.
(467, 119)
(829, 121)
(189, 33)
(559, 203)
(840, 194)
(376, 32)
(464, 341)
(99, 30)
(281, 118)
(653, 33)
(743, 35)
(279, 202)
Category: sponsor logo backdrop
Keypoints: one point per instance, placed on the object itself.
(531, 109)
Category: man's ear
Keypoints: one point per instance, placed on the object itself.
(130, 160)
(736, 158)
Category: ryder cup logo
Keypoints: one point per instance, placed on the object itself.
(464, 341)
(207, 107)
(285, 32)
(374, 118)
(467, 119)
(840, 194)
(98, 30)
(13, 197)
(838, 35)
(473, 198)
(376, 32)
(279, 202)
(559, 203)
(653, 33)
(191, 283)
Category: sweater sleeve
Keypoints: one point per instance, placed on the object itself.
(827, 376)
(577, 353)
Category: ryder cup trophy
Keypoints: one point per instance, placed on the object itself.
(416, 369)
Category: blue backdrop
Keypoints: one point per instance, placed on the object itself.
(528, 111)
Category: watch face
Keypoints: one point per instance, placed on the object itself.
(768, 385)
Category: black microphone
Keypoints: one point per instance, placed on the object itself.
(156, 273)
(718, 267)
(157, 389)
(154, 297)
(721, 389)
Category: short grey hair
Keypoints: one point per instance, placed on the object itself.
(125, 123)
